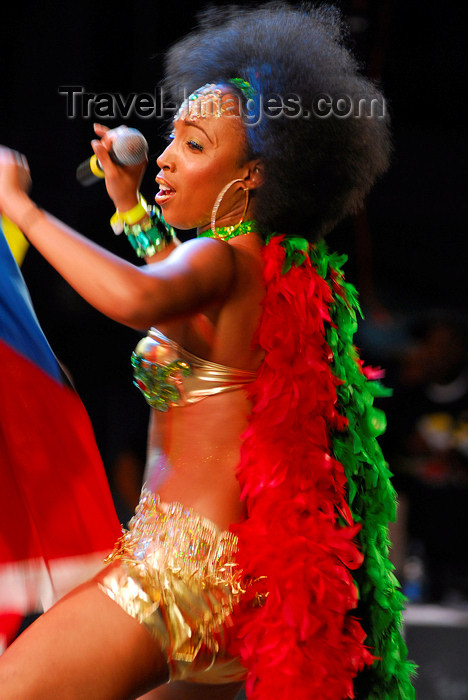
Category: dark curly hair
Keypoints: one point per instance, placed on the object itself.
(317, 169)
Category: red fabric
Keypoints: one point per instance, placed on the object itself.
(299, 535)
(54, 497)
(10, 623)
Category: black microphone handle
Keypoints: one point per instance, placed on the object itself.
(85, 175)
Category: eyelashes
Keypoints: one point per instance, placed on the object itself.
(195, 145)
(191, 143)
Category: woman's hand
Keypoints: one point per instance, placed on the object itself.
(15, 180)
(122, 182)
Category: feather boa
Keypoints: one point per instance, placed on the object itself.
(300, 542)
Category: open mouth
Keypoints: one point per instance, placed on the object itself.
(165, 192)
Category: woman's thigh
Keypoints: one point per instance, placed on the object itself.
(85, 647)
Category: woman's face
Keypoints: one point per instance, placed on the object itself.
(206, 151)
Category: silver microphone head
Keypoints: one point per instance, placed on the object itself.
(129, 146)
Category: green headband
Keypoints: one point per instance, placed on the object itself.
(245, 87)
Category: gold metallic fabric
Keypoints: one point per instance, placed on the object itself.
(168, 375)
(178, 577)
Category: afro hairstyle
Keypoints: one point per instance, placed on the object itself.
(317, 168)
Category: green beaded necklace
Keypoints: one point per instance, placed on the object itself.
(227, 232)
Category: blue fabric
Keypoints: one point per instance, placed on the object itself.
(19, 326)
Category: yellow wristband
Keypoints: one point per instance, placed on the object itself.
(129, 217)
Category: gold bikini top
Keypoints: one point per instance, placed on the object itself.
(168, 375)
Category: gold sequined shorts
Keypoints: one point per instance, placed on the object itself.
(178, 577)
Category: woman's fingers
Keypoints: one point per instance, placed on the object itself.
(107, 135)
(14, 171)
(102, 152)
(100, 129)
(10, 157)
(122, 182)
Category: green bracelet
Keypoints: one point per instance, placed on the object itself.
(150, 236)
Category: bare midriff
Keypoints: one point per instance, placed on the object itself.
(199, 452)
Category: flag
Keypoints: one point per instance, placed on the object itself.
(58, 517)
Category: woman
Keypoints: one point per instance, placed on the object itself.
(253, 569)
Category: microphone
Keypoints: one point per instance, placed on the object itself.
(129, 147)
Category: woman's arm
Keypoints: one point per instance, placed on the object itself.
(123, 183)
(198, 273)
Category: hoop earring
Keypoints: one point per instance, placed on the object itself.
(218, 202)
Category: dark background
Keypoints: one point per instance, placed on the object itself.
(407, 254)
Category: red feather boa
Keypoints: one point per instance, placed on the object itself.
(302, 642)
